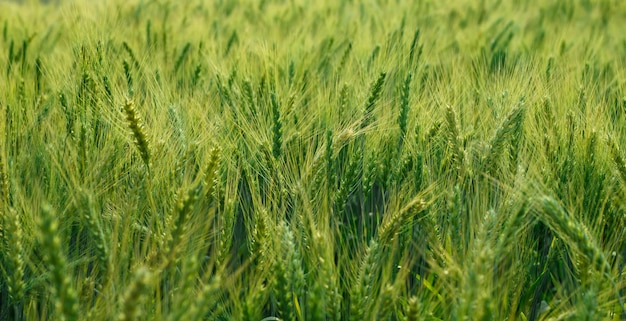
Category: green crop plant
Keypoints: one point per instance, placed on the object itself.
(312, 160)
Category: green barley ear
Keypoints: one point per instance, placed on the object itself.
(330, 164)
(509, 129)
(98, 235)
(211, 173)
(344, 57)
(404, 105)
(232, 40)
(136, 126)
(347, 185)
(387, 300)
(181, 58)
(196, 78)
(38, 75)
(227, 226)
(392, 223)
(549, 68)
(4, 183)
(572, 231)
(184, 207)
(106, 84)
(131, 54)
(135, 295)
(14, 254)
(361, 299)
(66, 299)
(454, 138)
(277, 128)
(10, 57)
(289, 276)
(324, 293)
(206, 300)
(149, 34)
(69, 114)
(375, 91)
(413, 309)
(415, 52)
(618, 160)
(129, 78)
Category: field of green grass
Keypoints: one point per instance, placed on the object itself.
(313, 160)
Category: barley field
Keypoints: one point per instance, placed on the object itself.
(312, 160)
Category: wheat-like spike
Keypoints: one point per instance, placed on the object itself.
(260, 241)
(188, 276)
(344, 57)
(14, 254)
(454, 138)
(386, 305)
(347, 185)
(509, 128)
(289, 276)
(415, 52)
(226, 231)
(206, 300)
(4, 183)
(618, 160)
(66, 299)
(361, 293)
(38, 75)
(392, 223)
(375, 91)
(232, 40)
(11, 57)
(248, 95)
(97, 234)
(181, 58)
(129, 78)
(413, 310)
(136, 126)
(475, 300)
(404, 105)
(211, 173)
(277, 128)
(324, 297)
(184, 208)
(569, 229)
(135, 295)
(131, 53)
